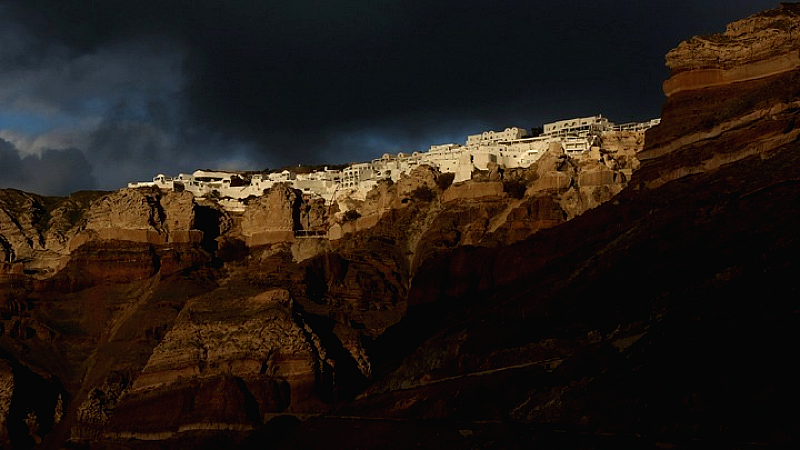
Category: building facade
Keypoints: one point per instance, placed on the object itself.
(509, 148)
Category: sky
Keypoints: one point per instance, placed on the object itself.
(96, 93)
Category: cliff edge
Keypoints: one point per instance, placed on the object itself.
(737, 88)
(588, 303)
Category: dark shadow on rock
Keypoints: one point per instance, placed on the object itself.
(269, 436)
(207, 220)
(34, 398)
(250, 404)
(348, 379)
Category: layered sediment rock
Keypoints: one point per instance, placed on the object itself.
(639, 316)
(228, 361)
(760, 46)
(470, 190)
(737, 88)
(35, 231)
(134, 321)
(18, 214)
(520, 297)
(38, 235)
(142, 215)
(269, 342)
(272, 218)
(166, 316)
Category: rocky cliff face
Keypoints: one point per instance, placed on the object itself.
(137, 299)
(142, 215)
(738, 88)
(499, 206)
(760, 46)
(641, 316)
(228, 362)
(272, 218)
(36, 231)
(519, 306)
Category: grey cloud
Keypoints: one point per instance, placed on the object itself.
(11, 171)
(53, 173)
(134, 142)
(83, 85)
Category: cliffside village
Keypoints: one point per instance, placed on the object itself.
(510, 148)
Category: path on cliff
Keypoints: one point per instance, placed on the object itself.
(479, 373)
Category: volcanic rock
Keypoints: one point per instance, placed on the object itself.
(273, 217)
(639, 316)
(580, 302)
(146, 215)
(736, 89)
(35, 231)
(760, 46)
(227, 362)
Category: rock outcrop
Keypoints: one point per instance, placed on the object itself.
(273, 217)
(640, 316)
(498, 206)
(632, 306)
(142, 215)
(760, 46)
(142, 300)
(40, 236)
(35, 231)
(737, 88)
(228, 361)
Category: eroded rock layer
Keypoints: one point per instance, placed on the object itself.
(760, 46)
(522, 301)
(749, 112)
(227, 362)
(638, 317)
(141, 297)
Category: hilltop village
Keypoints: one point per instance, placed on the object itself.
(563, 302)
(510, 148)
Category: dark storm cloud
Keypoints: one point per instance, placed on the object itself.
(266, 82)
(55, 172)
(143, 139)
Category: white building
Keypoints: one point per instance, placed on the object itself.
(510, 148)
(636, 126)
(286, 175)
(582, 126)
(160, 181)
(491, 137)
(353, 175)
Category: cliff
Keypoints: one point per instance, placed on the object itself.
(640, 296)
(661, 319)
(730, 96)
(131, 300)
(758, 47)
